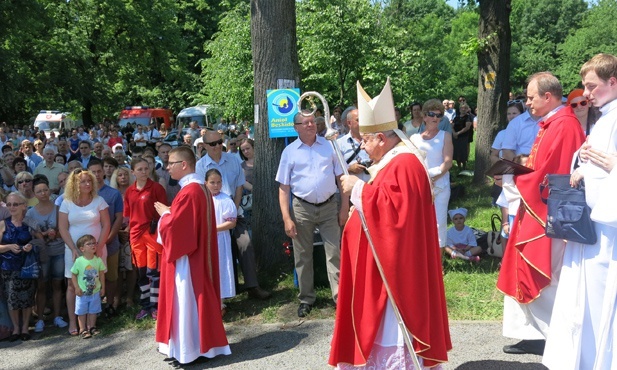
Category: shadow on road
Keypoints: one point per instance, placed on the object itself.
(499, 365)
(254, 348)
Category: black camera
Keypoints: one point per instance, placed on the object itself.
(367, 163)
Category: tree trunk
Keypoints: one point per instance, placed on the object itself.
(493, 78)
(275, 56)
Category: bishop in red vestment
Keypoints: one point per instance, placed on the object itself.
(189, 323)
(397, 204)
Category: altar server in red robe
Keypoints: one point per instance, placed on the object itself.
(189, 322)
(530, 268)
(397, 204)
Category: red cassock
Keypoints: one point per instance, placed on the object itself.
(401, 219)
(526, 266)
(190, 230)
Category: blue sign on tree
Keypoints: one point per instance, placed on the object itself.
(282, 107)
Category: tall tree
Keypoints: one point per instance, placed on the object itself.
(275, 56)
(494, 41)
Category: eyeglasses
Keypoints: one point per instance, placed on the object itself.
(14, 204)
(305, 123)
(169, 164)
(22, 181)
(433, 114)
(582, 103)
(215, 143)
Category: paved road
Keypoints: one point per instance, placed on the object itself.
(295, 345)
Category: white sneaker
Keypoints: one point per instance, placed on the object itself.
(60, 323)
(39, 326)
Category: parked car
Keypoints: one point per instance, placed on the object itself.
(173, 139)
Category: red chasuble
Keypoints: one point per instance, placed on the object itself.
(526, 266)
(190, 230)
(401, 218)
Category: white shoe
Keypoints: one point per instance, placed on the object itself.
(39, 326)
(60, 323)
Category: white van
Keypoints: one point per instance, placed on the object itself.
(205, 115)
(52, 120)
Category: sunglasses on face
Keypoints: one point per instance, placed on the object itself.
(433, 114)
(14, 204)
(582, 103)
(22, 181)
(215, 143)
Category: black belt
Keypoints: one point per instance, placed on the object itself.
(313, 204)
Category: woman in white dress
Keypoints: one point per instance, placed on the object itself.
(82, 212)
(439, 150)
(582, 331)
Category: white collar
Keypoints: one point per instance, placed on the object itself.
(189, 179)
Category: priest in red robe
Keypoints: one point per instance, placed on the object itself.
(397, 204)
(530, 268)
(189, 322)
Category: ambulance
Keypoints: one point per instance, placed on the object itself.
(53, 120)
(205, 115)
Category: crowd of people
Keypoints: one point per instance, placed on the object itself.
(101, 186)
(169, 220)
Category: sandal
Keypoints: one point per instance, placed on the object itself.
(85, 334)
(73, 333)
(94, 331)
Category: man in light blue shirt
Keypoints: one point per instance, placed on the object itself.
(309, 171)
(350, 144)
(520, 135)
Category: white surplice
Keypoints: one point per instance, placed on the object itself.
(184, 341)
(582, 333)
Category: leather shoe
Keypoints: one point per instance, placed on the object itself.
(304, 309)
(534, 347)
(259, 293)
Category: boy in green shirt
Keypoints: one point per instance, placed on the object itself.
(89, 282)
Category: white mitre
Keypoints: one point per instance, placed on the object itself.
(377, 115)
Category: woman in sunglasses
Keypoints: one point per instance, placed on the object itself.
(585, 113)
(23, 184)
(439, 150)
(14, 245)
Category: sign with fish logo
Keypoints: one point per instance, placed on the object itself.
(282, 107)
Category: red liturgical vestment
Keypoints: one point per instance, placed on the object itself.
(526, 266)
(401, 219)
(190, 230)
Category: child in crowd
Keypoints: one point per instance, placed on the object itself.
(461, 241)
(89, 281)
(226, 213)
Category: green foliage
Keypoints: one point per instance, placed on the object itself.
(595, 35)
(227, 75)
(538, 27)
(336, 38)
